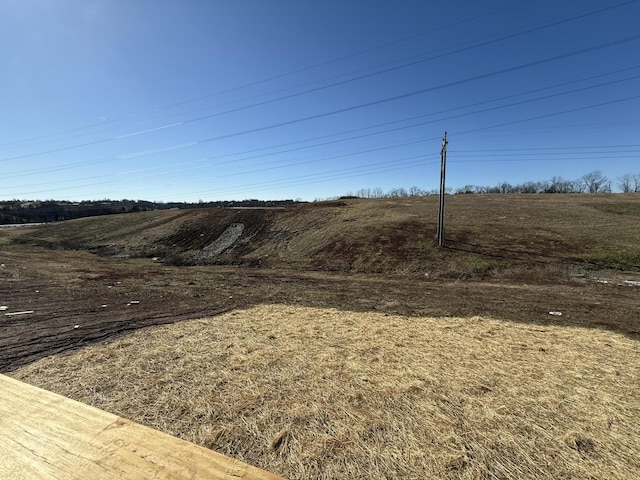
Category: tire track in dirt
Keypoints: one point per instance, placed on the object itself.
(63, 298)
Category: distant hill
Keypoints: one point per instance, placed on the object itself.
(20, 211)
(528, 236)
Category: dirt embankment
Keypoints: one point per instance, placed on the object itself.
(530, 237)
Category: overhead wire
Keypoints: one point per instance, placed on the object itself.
(432, 114)
(388, 165)
(421, 91)
(469, 131)
(343, 132)
(336, 172)
(143, 153)
(457, 153)
(417, 62)
(153, 151)
(547, 148)
(420, 124)
(148, 152)
(549, 115)
(541, 159)
(275, 77)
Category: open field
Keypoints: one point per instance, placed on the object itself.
(467, 374)
(322, 393)
(486, 234)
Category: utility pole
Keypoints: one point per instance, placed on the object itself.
(443, 169)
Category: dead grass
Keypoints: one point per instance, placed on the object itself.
(489, 236)
(316, 393)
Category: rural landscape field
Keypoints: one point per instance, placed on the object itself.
(336, 340)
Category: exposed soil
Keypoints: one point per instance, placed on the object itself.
(224, 241)
(510, 257)
(508, 263)
(65, 289)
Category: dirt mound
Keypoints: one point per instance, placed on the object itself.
(486, 235)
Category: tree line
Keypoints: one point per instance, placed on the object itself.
(36, 211)
(592, 182)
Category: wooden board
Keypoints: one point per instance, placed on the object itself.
(45, 435)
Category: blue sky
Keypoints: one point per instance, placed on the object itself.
(182, 100)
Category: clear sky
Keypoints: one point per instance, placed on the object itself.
(182, 100)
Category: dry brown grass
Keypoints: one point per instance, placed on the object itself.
(314, 393)
(488, 235)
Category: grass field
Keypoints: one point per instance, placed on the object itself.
(486, 235)
(320, 393)
(335, 340)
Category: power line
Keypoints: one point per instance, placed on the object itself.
(275, 77)
(546, 153)
(583, 151)
(417, 62)
(547, 148)
(70, 166)
(545, 157)
(542, 159)
(138, 154)
(545, 116)
(391, 165)
(425, 90)
(350, 154)
(439, 119)
(412, 118)
(463, 115)
(539, 117)
(373, 49)
(143, 153)
(367, 104)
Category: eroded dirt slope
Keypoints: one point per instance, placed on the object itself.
(484, 234)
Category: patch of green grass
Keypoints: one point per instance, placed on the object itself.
(619, 260)
(480, 264)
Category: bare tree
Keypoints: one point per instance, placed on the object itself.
(416, 192)
(397, 192)
(624, 182)
(364, 193)
(595, 182)
(530, 187)
(636, 183)
(467, 189)
(505, 187)
(576, 186)
(558, 185)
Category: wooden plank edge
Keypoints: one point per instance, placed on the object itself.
(46, 435)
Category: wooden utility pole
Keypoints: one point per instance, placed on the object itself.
(443, 169)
